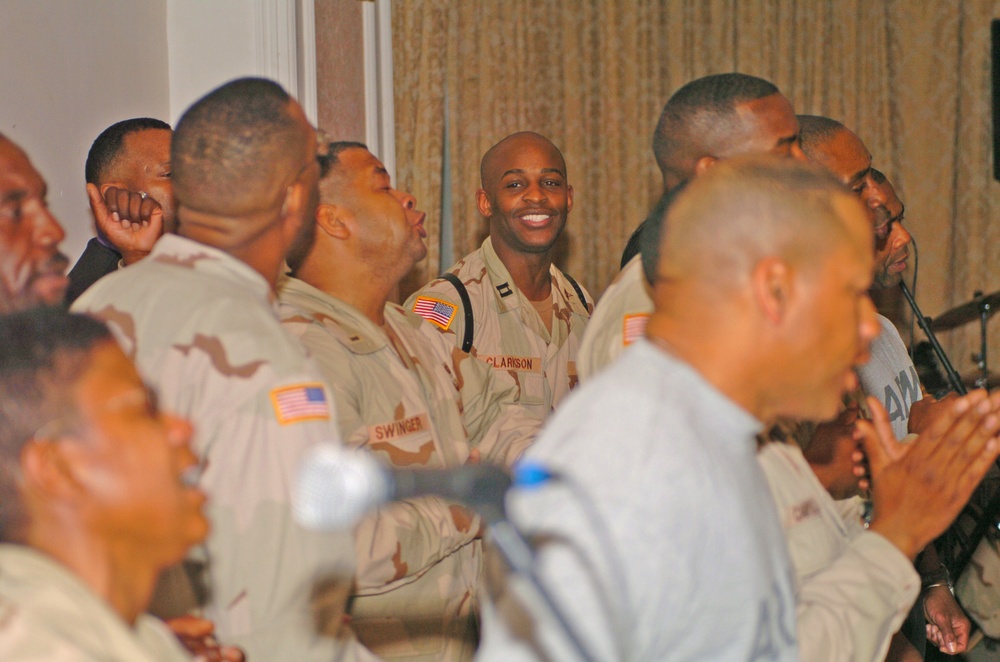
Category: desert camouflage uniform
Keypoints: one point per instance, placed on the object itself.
(619, 319)
(47, 613)
(414, 400)
(509, 334)
(202, 327)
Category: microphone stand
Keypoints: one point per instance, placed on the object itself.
(989, 512)
(521, 558)
(953, 378)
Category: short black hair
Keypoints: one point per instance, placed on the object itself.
(815, 131)
(231, 143)
(108, 146)
(336, 148)
(697, 107)
(43, 352)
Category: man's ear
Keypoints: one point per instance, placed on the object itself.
(702, 165)
(773, 282)
(46, 471)
(569, 198)
(483, 202)
(295, 199)
(334, 221)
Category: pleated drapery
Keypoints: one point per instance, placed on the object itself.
(911, 77)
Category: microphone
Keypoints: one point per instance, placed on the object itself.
(337, 486)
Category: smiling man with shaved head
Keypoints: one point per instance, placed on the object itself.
(506, 302)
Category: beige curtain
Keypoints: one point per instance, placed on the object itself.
(911, 77)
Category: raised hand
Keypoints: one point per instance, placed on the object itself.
(131, 220)
(197, 635)
(918, 488)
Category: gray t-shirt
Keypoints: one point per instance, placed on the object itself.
(661, 542)
(891, 377)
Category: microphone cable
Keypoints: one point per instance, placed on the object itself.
(589, 511)
(913, 288)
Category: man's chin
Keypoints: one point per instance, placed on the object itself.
(49, 290)
(888, 278)
(818, 410)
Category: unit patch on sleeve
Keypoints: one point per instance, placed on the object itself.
(302, 402)
(634, 327)
(437, 312)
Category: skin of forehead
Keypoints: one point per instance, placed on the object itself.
(841, 147)
(141, 145)
(15, 167)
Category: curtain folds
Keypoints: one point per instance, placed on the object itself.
(911, 77)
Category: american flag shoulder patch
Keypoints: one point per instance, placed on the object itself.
(633, 327)
(437, 312)
(301, 402)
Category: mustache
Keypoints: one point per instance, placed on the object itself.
(55, 265)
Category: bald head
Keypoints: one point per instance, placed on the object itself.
(525, 195)
(719, 117)
(746, 209)
(498, 159)
(762, 283)
(237, 148)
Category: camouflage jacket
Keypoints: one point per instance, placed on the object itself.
(407, 395)
(618, 320)
(509, 334)
(47, 613)
(202, 327)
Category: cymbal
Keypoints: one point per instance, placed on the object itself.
(966, 312)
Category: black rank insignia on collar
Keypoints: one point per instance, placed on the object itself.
(504, 290)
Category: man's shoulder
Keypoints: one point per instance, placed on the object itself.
(626, 295)
(470, 271)
(579, 299)
(449, 299)
(25, 638)
(323, 321)
(96, 261)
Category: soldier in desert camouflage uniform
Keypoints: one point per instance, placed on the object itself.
(528, 316)
(403, 392)
(198, 315)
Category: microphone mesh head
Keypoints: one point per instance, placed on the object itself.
(337, 486)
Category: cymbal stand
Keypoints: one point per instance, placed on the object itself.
(984, 314)
(988, 517)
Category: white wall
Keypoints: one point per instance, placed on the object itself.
(67, 71)
(210, 43)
